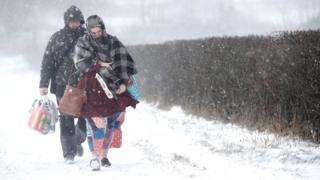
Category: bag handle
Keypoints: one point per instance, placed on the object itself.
(44, 100)
(85, 82)
(81, 84)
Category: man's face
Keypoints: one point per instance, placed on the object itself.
(74, 24)
(96, 32)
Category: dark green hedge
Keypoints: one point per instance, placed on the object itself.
(266, 82)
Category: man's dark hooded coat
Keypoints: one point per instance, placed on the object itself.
(56, 67)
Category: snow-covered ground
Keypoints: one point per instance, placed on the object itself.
(156, 144)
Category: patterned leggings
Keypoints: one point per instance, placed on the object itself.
(104, 133)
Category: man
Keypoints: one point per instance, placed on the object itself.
(57, 65)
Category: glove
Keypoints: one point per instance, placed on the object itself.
(43, 91)
(122, 89)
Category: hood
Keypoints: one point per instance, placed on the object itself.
(73, 13)
(93, 21)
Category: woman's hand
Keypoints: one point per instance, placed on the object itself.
(105, 64)
(122, 89)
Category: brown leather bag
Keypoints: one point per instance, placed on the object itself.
(72, 101)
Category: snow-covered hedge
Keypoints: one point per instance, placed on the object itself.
(267, 82)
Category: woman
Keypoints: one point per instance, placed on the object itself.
(95, 52)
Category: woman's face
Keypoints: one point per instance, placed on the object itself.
(96, 32)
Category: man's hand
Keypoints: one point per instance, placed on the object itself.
(122, 89)
(43, 91)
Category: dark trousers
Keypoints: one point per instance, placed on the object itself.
(71, 135)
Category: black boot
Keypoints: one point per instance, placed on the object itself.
(69, 146)
(69, 159)
(67, 136)
(105, 162)
(80, 150)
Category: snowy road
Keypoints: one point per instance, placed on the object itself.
(156, 144)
